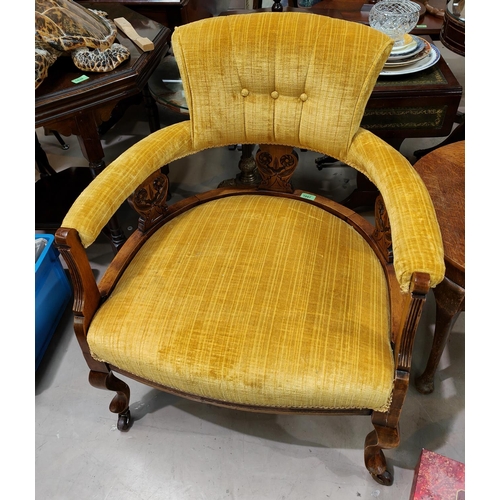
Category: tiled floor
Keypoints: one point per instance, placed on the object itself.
(181, 450)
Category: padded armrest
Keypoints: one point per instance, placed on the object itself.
(416, 237)
(105, 194)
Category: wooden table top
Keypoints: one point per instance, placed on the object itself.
(443, 172)
(358, 11)
(352, 10)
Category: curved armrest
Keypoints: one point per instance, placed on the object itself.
(105, 194)
(86, 293)
(416, 237)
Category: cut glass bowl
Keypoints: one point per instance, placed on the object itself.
(394, 18)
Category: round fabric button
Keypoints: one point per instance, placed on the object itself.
(303, 97)
(274, 94)
(244, 92)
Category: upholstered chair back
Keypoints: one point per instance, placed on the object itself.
(303, 81)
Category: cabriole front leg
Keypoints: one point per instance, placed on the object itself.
(120, 403)
(380, 438)
(386, 432)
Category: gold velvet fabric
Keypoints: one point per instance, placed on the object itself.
(254, 300)
(300, 79)
(297, 79)
(416, 238)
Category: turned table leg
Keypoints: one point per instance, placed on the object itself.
(42, 162)
(450, 302)
(249, 175)
(151, 109)
(90, 144)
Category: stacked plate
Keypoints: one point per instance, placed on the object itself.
(416, 54)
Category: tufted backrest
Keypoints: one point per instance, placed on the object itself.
(296, 79)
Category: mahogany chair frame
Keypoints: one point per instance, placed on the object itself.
(150, 199)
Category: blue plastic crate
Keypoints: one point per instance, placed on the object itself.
(52, 294)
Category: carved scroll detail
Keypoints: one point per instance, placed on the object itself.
(276, 166)
(149, 200)
(382, 233)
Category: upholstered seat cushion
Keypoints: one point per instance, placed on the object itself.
(254, 300)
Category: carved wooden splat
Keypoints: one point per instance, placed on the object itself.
(149, 200)
(276, 165)
(382, 233)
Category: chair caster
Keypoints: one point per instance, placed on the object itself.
(386, 478)
(124, 421)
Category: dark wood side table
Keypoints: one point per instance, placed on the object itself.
(80, 109)
(452, 36)
(355, 10)
(351, 10)
(170, 13)
(443, 172)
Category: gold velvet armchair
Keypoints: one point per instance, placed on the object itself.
(264, 299)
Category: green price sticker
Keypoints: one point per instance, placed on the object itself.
(80, 79)
(308, 196)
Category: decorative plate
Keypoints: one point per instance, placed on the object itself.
(428, 61)
(411, 59)
(408, 49)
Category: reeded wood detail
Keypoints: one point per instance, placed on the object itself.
(420, 286)
(86, 294)
(149, 200)
(386, 424)
(276, 165)
(382, 233)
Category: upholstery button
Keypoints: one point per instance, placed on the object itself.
(244, 92)
(303, 97)
(274, 94)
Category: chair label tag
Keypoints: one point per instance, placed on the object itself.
(308, 196)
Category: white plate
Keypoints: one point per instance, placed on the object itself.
(407, 39)
(426, 49)
(431, 59)
(417, 45)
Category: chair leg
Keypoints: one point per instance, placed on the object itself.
(381, 438)
(120, 403)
